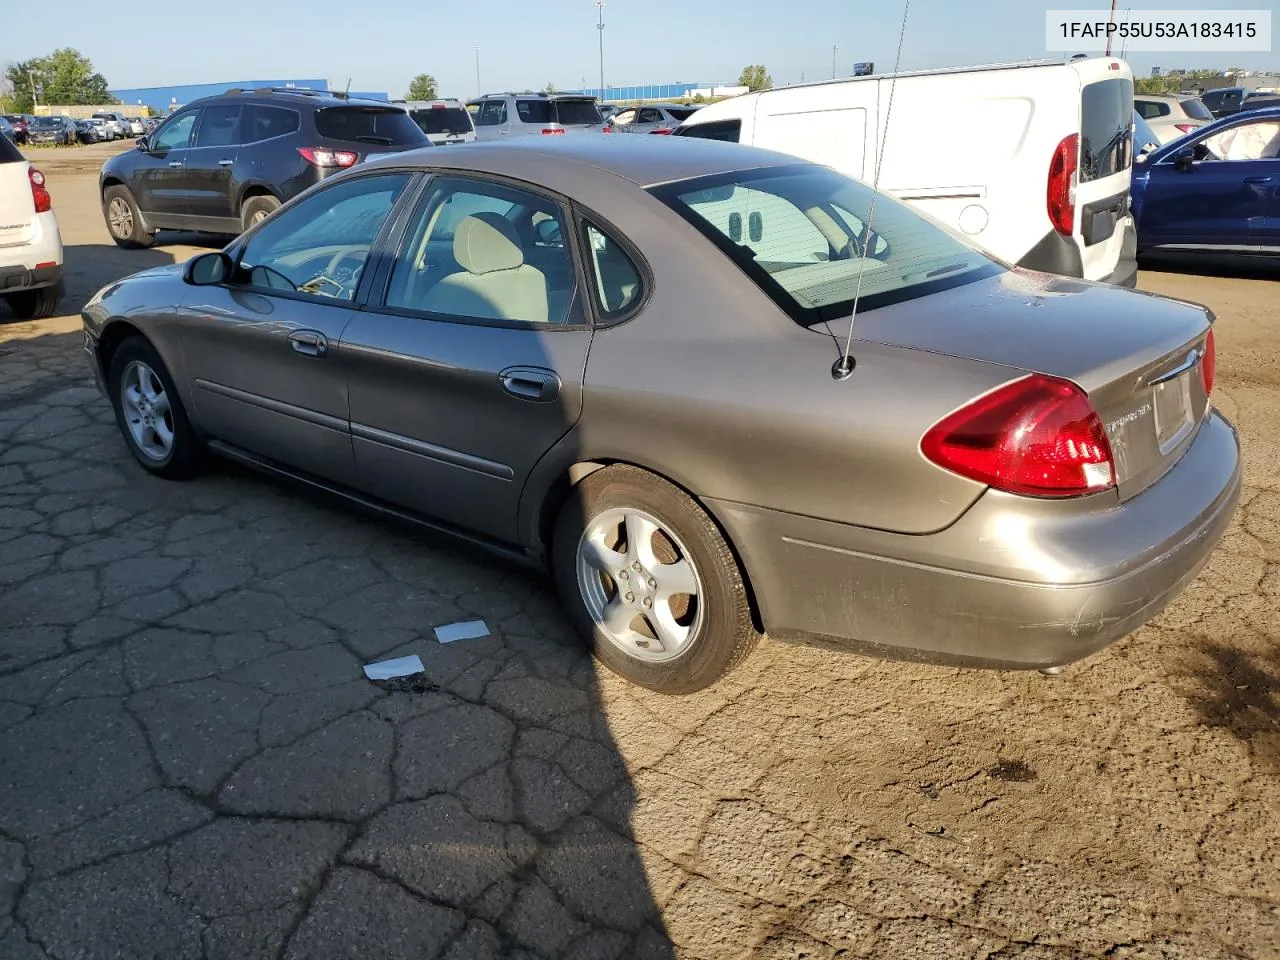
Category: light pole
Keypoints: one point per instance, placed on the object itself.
(479, 91)
(1111, 23)
(600, 27)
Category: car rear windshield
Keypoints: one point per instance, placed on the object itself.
(47, 122)
(1196, 110)
(8, 152)
(1106, 115)
(442, 120)
(384, 125)
(727, 130)
(682, 113)
(564, 112)
(800, 232)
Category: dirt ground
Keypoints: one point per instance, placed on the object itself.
(192, 765)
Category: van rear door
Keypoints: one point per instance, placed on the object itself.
(1102, 223)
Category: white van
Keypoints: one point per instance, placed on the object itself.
(1029, 160)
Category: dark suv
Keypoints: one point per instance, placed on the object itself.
(223, 163)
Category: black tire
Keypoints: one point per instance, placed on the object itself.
(35, 304)
(186, 455)
(130, 235)
(256, 208)
(724, 631)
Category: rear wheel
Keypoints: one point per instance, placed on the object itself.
(124, 223)
(650, 583)
(256, 209)
(35, 304)
(150, 414)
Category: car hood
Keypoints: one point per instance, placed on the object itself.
(1090, 333)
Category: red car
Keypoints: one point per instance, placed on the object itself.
(19, 125)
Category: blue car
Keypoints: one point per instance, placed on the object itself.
(1215, 190)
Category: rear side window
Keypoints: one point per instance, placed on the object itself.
(443, 120)
(1106, 119)
(262, 122)
(616, 278)
(369, 125)
(1195, 109)
(727, 130)
(649, 115)
(219, 126)
(534, 111)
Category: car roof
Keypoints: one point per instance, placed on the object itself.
(645, 161)
(295, 96)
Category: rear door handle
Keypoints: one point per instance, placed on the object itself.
(536, 384)
(1257, 179)
(309, 343)
(225, 163)
(175, 163)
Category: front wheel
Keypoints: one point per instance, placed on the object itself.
(648, 580)
(150, 413)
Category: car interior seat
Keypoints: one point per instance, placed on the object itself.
(495, 282)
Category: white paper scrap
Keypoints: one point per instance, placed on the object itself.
(467, 630)
(399, 667)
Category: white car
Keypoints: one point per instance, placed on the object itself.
(1172, 117)
(30, 244)
(136, 127)
(444, 122)
(115, 124)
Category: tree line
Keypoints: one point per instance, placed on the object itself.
(65, 76)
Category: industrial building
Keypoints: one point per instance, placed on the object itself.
(162, 100)
(656, 92)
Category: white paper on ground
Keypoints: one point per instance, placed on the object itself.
(399, 667)
(467, 630)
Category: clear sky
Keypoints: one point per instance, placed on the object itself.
(381, 44)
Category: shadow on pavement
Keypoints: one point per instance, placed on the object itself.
(194, 762)
(1214, 265)
(1240, 692)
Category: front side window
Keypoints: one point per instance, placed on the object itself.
(320, 245)
(801, 233)
(484, 251)
(175, 134)
(1246, 141)
(625, 117)
(219, 126)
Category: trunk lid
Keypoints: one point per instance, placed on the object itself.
(1136, 355)
(17, 207)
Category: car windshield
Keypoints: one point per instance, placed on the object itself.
(1196, 110)
(442, 120)
(43, 122)
(381, 125)
(801, 233)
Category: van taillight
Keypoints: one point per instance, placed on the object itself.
(552, 130)
(39, 192)
(1062, 176)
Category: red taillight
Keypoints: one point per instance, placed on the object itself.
(1208, 363)
(546, 131)
(1037, 436)
(39, 193)
(1186, 127)
(322, 157)
(1062, 174)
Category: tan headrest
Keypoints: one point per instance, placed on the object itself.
(485, 242)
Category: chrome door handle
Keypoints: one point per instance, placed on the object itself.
(225, 163)
(1257, 179)
(175, 163)
(309, 343)
(535, 384)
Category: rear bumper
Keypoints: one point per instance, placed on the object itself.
(15, 278)
(1013, 584)
(1058, 254)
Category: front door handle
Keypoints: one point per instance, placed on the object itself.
(536, 384)
(1257, 179)
(309, 343)
(225, 163)
(175, 163)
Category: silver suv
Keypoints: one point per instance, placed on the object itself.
(499, 115)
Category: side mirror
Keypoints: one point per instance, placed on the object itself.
(142, 144)
(1184, 158)
(208, 269)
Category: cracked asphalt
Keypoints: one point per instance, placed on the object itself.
(192, 765)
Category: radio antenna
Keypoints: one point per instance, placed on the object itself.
(844, 366)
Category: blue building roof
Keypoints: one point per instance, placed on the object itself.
(163, 99)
